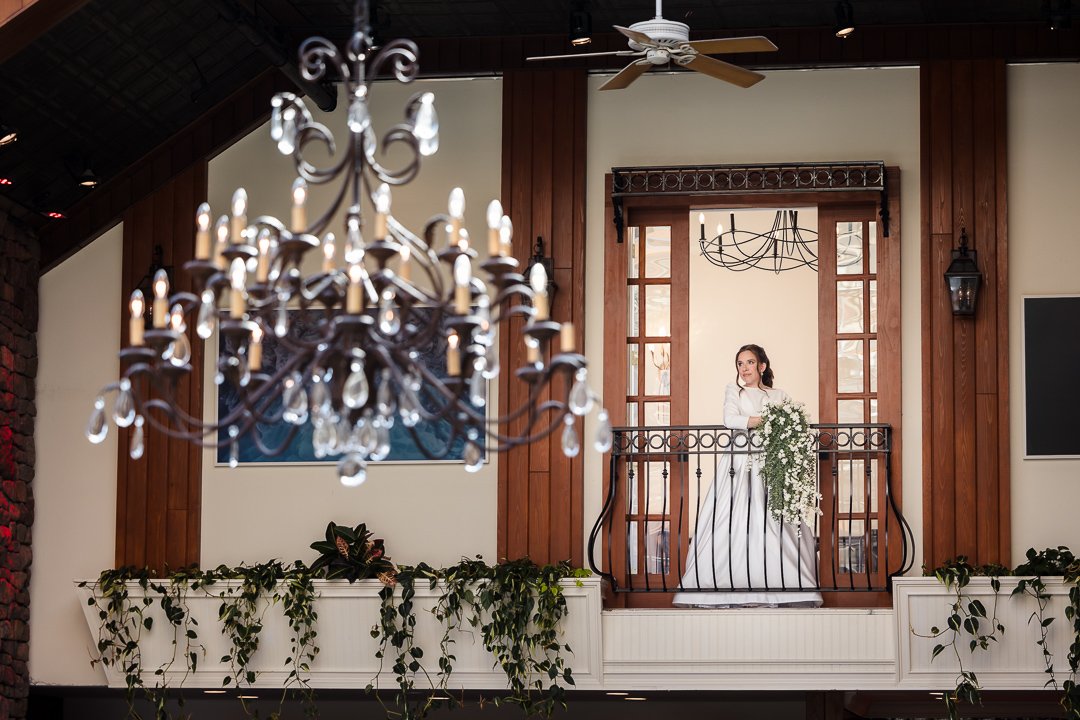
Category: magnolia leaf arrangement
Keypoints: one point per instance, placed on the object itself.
(514, 608)
(352, 554)
(970, 622)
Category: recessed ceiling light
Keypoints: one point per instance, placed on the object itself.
(635, 698)
(618, 694)
(8, 134)
(54, 215)
(215, 692)
(248, 697)
(5, 181)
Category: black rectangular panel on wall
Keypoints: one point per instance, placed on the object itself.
(1051, 383)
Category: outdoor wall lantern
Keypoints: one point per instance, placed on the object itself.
(963, 277)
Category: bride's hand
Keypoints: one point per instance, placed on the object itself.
(754, 421)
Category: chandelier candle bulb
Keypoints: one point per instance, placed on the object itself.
(354, 296)
(462, 279)
(538, 280)
(382, 210)
(405, 269)
(221, 232)
(137, 322)
(506, 235)
(494, 221)
(456, 207)
(566, 337)
(453, 355)
(262, 270)
(239, 215)
(299, 205)
(161, 291)
(328, 253)
(237, 278)
(532, 350)
(255, 349)
(202, 232)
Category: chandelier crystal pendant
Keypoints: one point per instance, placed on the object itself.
(358, 367)
(785, 246)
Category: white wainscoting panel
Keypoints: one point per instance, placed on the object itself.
(1013, 663)
(347, 651)
(750, 649)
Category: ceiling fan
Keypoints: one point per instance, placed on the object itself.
(659, 42)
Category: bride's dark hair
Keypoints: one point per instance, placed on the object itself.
(762, 359)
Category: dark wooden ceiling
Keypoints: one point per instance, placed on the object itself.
(105, 83)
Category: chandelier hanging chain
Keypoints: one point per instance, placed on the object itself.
(785, 246)
(404, 334)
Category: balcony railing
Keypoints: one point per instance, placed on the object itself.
(686, 511)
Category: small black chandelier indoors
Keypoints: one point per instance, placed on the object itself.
(353, 341)
(963, 277)
(785, 246)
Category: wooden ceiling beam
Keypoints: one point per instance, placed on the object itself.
(215, 130)
(33, 21)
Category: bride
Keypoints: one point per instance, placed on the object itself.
(739, 548)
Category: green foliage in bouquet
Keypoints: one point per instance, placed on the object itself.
(352, 554)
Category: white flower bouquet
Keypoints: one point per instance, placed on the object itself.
(789, 463)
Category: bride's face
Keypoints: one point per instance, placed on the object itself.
(749, 369)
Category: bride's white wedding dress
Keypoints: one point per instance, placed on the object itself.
(737, 543)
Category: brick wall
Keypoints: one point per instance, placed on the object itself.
(18, 370)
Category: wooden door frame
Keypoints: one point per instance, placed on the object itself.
(650, 208)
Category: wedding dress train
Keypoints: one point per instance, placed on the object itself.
(739, 549)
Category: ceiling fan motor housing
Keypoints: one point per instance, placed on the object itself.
(663, 32)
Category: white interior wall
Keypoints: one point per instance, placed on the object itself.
(74, 481)
(254, 513)
(1044, 254)
(728, 309)
(791, 116)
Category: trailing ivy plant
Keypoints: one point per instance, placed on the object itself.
(970, 617)
(517, 608)
(123, 619)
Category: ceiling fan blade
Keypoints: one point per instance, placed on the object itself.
(583, 55)
(718, 46)
(627, 75)
(722, 70)
(638, 37)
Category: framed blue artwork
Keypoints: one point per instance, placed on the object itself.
(303, 326)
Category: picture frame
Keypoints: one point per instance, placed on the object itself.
(1050, 331)
(299, 450)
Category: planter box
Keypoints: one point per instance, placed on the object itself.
(1015, 662)
(346, 659)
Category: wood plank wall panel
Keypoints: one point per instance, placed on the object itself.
(543, 190)
(159, 496)
(965, 374)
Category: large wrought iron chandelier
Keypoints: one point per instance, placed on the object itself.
(785, 246)
(372, 323)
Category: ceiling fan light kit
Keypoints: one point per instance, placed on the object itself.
(659, 41)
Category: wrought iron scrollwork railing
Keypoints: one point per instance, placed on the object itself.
(668, 486)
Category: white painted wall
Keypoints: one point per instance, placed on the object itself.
(1043, 154)
(74, 481)
(432, 513)
(731, 309)
(791, 116)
